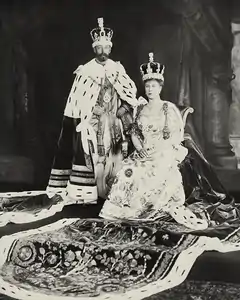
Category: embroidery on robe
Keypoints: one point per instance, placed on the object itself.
(101, 259)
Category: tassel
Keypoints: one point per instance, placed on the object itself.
(112, 167)
(125, 149)
(99, 171)
(108, 174)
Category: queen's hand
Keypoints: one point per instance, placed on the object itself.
(142, 153)
(142, 101)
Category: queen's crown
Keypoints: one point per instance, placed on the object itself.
(152, 69)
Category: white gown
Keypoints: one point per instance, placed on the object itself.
(150, 187)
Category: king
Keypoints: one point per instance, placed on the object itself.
(96, 124)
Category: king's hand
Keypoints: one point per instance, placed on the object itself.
(98, 110)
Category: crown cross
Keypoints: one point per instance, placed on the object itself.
(100, 23)
(150, 57)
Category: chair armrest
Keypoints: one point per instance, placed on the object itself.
(185, 112)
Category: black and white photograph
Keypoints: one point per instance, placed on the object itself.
(120, 150)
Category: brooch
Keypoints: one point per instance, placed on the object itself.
(128, 172)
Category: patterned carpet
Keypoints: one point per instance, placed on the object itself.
(193, 290)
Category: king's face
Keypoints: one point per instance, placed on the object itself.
(102, 52)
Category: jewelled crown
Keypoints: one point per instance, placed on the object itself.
(152, 69)
(101, 36)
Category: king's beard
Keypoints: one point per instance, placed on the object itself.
(102, 57)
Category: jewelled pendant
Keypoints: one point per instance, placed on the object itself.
(166, 133)
(106, 98)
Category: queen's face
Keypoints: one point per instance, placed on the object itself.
(102, 52)
(153, 89)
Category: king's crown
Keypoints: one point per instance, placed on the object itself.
(101, 36)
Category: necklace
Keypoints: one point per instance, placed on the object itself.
(154, 111)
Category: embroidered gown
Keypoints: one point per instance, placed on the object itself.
(147, 188)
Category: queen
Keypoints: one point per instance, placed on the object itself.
(149, 183)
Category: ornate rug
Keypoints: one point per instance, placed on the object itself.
(193, 290)
(94, 258)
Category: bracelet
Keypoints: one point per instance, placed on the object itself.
(139, 149)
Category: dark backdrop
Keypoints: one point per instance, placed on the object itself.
(43, 42)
